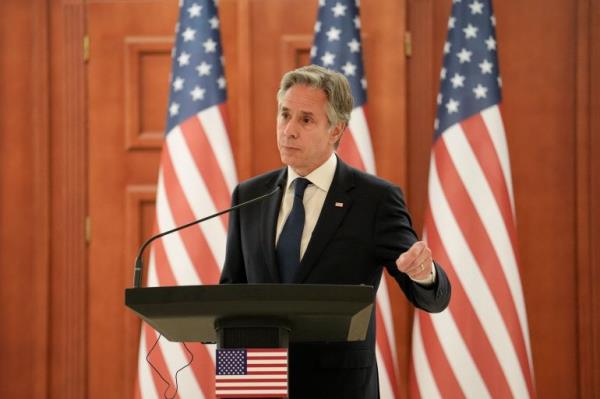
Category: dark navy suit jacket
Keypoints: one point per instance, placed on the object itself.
(351, 244)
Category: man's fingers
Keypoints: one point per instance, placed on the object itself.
(420, 267)
(413, 253)
(417, 261)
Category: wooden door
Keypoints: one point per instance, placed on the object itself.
(128, 82)
(130, 44)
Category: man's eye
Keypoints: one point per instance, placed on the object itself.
(307, 120)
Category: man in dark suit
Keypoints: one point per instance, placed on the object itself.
(329, 224)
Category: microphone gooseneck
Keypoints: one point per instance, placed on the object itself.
(139, 262)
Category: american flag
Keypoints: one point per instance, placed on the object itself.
(479, 347)
(196, 176)
(252, 373)
(338, 46)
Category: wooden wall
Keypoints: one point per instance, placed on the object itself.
(80, 142)
(24, 200)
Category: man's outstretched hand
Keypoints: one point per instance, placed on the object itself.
(417, 262)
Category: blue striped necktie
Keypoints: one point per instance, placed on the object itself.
(288, 246)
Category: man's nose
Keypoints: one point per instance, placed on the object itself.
(290, 129)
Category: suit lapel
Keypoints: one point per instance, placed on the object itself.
(270, 212)
(336, 206)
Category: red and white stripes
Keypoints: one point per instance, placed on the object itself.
(479, 347)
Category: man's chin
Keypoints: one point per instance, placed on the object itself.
(288, 159)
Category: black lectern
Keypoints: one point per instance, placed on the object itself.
(255, 315)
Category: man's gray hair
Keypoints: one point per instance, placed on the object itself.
(334, 84)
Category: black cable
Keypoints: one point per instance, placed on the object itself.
(191, 359)
(181, 368)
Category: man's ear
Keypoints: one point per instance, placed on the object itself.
(337, 131)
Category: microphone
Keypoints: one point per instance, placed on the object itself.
(139, 262)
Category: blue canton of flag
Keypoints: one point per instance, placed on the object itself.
(337, 44)
(470, 80)
(231, 362)
(197, 77)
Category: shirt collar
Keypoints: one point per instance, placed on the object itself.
(320, 177)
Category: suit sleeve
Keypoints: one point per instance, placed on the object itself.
(394, 235)
(234, 271)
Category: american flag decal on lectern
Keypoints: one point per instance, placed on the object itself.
(252, 373)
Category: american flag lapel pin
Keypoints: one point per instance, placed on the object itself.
(339, 204)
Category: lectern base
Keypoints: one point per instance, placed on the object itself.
(252, 333)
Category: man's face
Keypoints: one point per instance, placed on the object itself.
(304, 137)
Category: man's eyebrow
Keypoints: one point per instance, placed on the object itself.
(306, 113)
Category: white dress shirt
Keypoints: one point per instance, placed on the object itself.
(314, 198)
